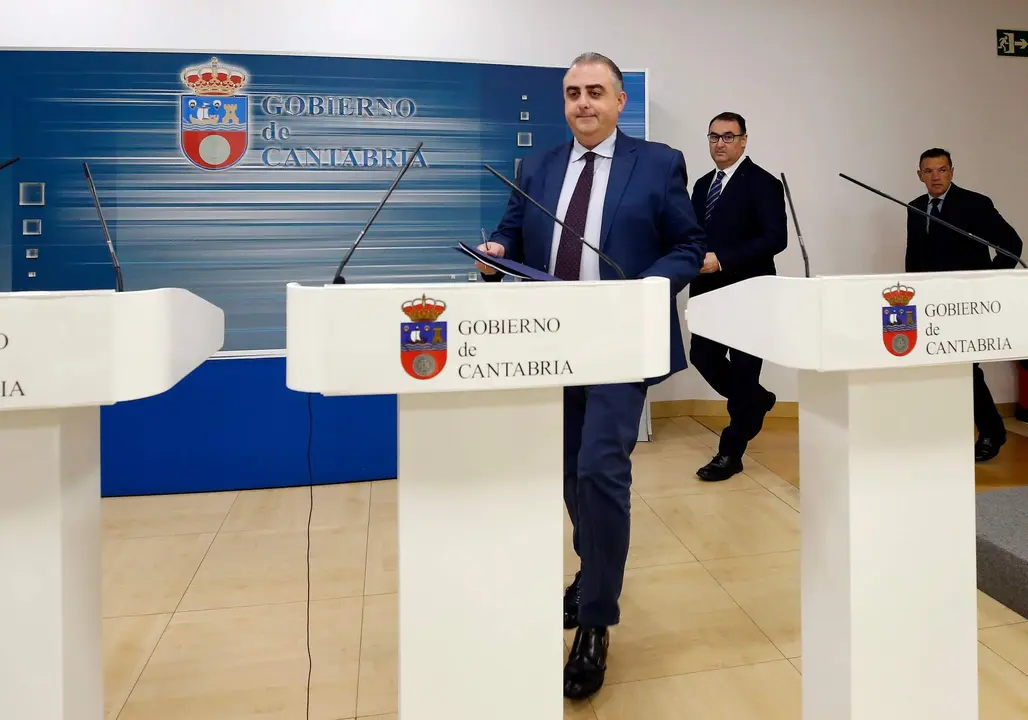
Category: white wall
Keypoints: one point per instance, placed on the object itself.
(860, 87)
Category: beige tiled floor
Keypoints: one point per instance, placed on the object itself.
(204, 600)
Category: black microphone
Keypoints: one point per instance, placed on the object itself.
(578, 237)
(5, 163)
(942, 222)
(339, 279)
(119, 284)
(796, 222)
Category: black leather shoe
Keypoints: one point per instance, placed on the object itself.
(571, 596)
(720, 468)
(987, 447)
(587, 663)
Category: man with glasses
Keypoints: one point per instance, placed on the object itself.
(932, 247)
(742, 208)
(630, 197)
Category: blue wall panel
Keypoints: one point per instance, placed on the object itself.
(286, 211)
(233, 424)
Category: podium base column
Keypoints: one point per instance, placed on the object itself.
(51, 650)
(888, 550)
(480, 510)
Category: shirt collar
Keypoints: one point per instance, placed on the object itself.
(730, 170)
(604, 149)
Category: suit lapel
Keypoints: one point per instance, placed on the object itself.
(700, 191)
(951, 204)
(620, 171)
(703, 186)
(551, 195)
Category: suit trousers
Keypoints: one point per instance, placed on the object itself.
(601, 427)
(986, 417)
(735, 376)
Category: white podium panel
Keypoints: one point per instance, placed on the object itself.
(480, 371)
(62, 356)
(370, 339)
(866, 322)
(889, 598)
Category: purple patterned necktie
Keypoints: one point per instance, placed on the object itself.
(569, 252)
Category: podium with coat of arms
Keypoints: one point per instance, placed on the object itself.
(479, 369)
(64, 355)
(889, 619)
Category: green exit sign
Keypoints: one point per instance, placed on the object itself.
(1012, 43)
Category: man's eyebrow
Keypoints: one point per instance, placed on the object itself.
(595, 86)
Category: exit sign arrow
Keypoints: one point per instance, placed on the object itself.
(1012, 43)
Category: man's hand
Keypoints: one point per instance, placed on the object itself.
(710, 263)
(492, 249)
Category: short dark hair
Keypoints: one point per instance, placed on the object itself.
(594, 57)
(935, 153)
(730, 117)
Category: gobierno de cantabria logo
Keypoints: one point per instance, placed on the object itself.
(899, 320)
(213, 116)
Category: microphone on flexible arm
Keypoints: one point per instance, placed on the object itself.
(553, 217)
(796, 222)
(5, 163)
(339, 279)
(942, 222)
(119, 284)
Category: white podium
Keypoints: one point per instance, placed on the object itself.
(62, 356)
(479, 369)
(887, 467)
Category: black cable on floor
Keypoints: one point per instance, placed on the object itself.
(310, 515)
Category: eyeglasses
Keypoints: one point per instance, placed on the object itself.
(729, 138)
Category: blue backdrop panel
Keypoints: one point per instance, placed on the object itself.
(233, 175)
(212, 431)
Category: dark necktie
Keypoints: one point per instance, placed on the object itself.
(569, 252)
(934, 212)
(713, 194)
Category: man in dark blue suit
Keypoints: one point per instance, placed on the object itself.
(742, 209)
(629, 198)
(932, 247)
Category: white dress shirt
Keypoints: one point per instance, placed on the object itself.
(590, 269)
(729, 171)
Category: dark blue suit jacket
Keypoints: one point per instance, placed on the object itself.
(946, 250)
(747, 227)
(649, 228)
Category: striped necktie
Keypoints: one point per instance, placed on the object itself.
(715, 193)
(569, 252)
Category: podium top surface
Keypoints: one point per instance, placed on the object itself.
(98, 347)
(866, 322)
(454, 337)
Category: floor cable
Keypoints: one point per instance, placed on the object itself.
(310, 515)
